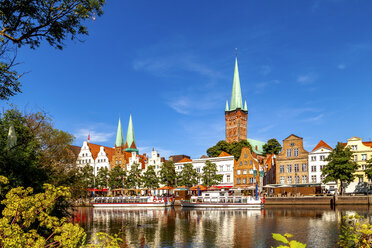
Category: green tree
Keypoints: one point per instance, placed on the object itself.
(21, 163)
(356, 232)
(134, 177)
(234, 148)
(340, 167)
(149, 179)
(116, 177)
(272, 147)
(209, 175)
(30, 22)
(102, 178)
(28, 221)
(86, 176)
(188, 176)
(168, 173)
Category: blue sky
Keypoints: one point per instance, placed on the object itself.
(305, 68)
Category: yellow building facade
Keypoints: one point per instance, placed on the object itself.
(362, 151)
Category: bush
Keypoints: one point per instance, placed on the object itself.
(356, 232)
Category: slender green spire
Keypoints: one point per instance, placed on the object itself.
(130, 141)
(245, 106)
(119, 136)
(236, 95)
(227, 106)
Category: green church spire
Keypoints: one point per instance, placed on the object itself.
(236, 95)
(245, 106)
(119, 136)
(227, 106)
(130, 143)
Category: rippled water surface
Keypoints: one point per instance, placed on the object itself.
(178, 227)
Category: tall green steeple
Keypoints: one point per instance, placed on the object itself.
(119, 136)
(236, 95)
(130, 143)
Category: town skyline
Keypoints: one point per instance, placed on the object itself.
(295, 80)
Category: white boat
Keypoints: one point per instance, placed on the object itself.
(132, 202)
(221, 199)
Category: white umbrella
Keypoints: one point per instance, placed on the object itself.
(269, 186)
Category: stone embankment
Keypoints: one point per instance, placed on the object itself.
(320, 200)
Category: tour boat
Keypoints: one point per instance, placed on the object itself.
(221, 199)
(132, 202)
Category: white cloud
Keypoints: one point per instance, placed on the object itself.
(180, 105)
(262, 85)
(162, 152)
(341, 66)
(95, 136)
(314, 118)
(265, 70)
(265, 129)
(307, 78)
(196, 103)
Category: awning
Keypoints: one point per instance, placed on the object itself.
(224, 187)
(201, 187)
(165, 188)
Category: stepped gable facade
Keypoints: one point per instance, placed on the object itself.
(244, 175)
(292, 162)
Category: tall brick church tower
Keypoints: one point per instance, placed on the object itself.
(236, 116)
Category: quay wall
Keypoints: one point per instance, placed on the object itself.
(320, 200)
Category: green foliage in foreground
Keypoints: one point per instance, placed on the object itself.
(234, 148)
(287, 243)
(355, 233)
(27, 221)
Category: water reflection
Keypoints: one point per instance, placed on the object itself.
(316, 226)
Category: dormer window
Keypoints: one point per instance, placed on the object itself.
(354, 147)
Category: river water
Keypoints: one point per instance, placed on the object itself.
(178, 227)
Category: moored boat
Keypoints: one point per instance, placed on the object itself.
(132, 202)
(221, 199)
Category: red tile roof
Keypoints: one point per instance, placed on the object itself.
(94, 149)
(184, 160)
(322, 144)
(368, 143)
(224, 154)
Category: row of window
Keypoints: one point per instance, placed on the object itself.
(363, 157)
(238, 172)
(321, 158)
(296, 179)
(296, 168)
(295, 152)
(246, 162)
(239, 180)
(313, 168)
(313, 178)
(84, 161)
(221, 167)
